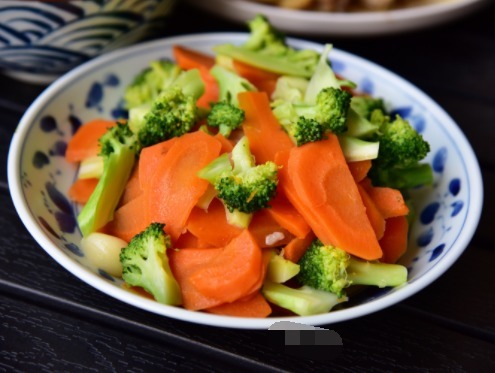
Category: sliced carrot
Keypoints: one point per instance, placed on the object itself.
(81, 190)
(129, 220)
(374, 214)
(267, 231)
(150, 157)
(227, 144)
(254, 305)
(188, 58)
(265, 260)
(317, 181)
(191, 59)
(183, 263)
(84, 143)
(394, 241)
(296, 248)
(266, 136)
(132, 188)
(232, 274)
(287, 216)
(174, 189)
(359, 169)
(263, 80)
(211, 226)
(187, 239)
(389, 201)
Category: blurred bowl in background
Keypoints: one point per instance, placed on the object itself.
(41, 40)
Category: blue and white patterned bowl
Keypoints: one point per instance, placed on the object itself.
(39, 176)
(41, 40)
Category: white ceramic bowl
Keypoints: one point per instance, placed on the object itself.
(41, 40)
(352, 24)
(39, 177)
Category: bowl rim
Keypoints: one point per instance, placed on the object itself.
(335, 316)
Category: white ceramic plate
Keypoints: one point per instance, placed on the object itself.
(39, 176)
(342, 24)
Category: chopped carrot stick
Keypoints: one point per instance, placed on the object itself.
(374, 214)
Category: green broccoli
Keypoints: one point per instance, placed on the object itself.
(245, 187)
(303, 301)
(226, 117)
(147, 85)
(230, 84)
(306, 123)
(145, 264)
(331, 269)
(119, 149)
(172, 113)
(267, 49)
(401, 150)
(365, 105)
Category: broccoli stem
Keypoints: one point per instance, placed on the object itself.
(360, 272)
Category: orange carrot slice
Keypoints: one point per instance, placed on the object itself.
(359, 169)
(211, 226)
(389, 201)
(287, 216)
(374, 214)
(266, 136)
(232, 274)
(150, 157)
(267, 231)
(175, 188)
(318, 183)
(183, 263)
(394, 240)
(296, 248)
(81, 190)
(129, 220)
(84, 143)
(252, 306)
(132, 188)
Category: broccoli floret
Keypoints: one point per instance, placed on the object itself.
(290, 89)
(267, 49)
(245, 187)
(226, 117)
(303, 301)
(249, 187)
(400, 144)
(307, 123)
(401, 150)
(119, 148)
(145, 264)
(331, 269)
(366, 105)
(147, 85)
(230, 84)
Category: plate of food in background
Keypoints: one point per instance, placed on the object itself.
(349, 18)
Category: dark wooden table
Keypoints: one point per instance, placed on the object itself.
(50, 321)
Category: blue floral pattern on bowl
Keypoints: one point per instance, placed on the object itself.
(446, 213)
(53, 37)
